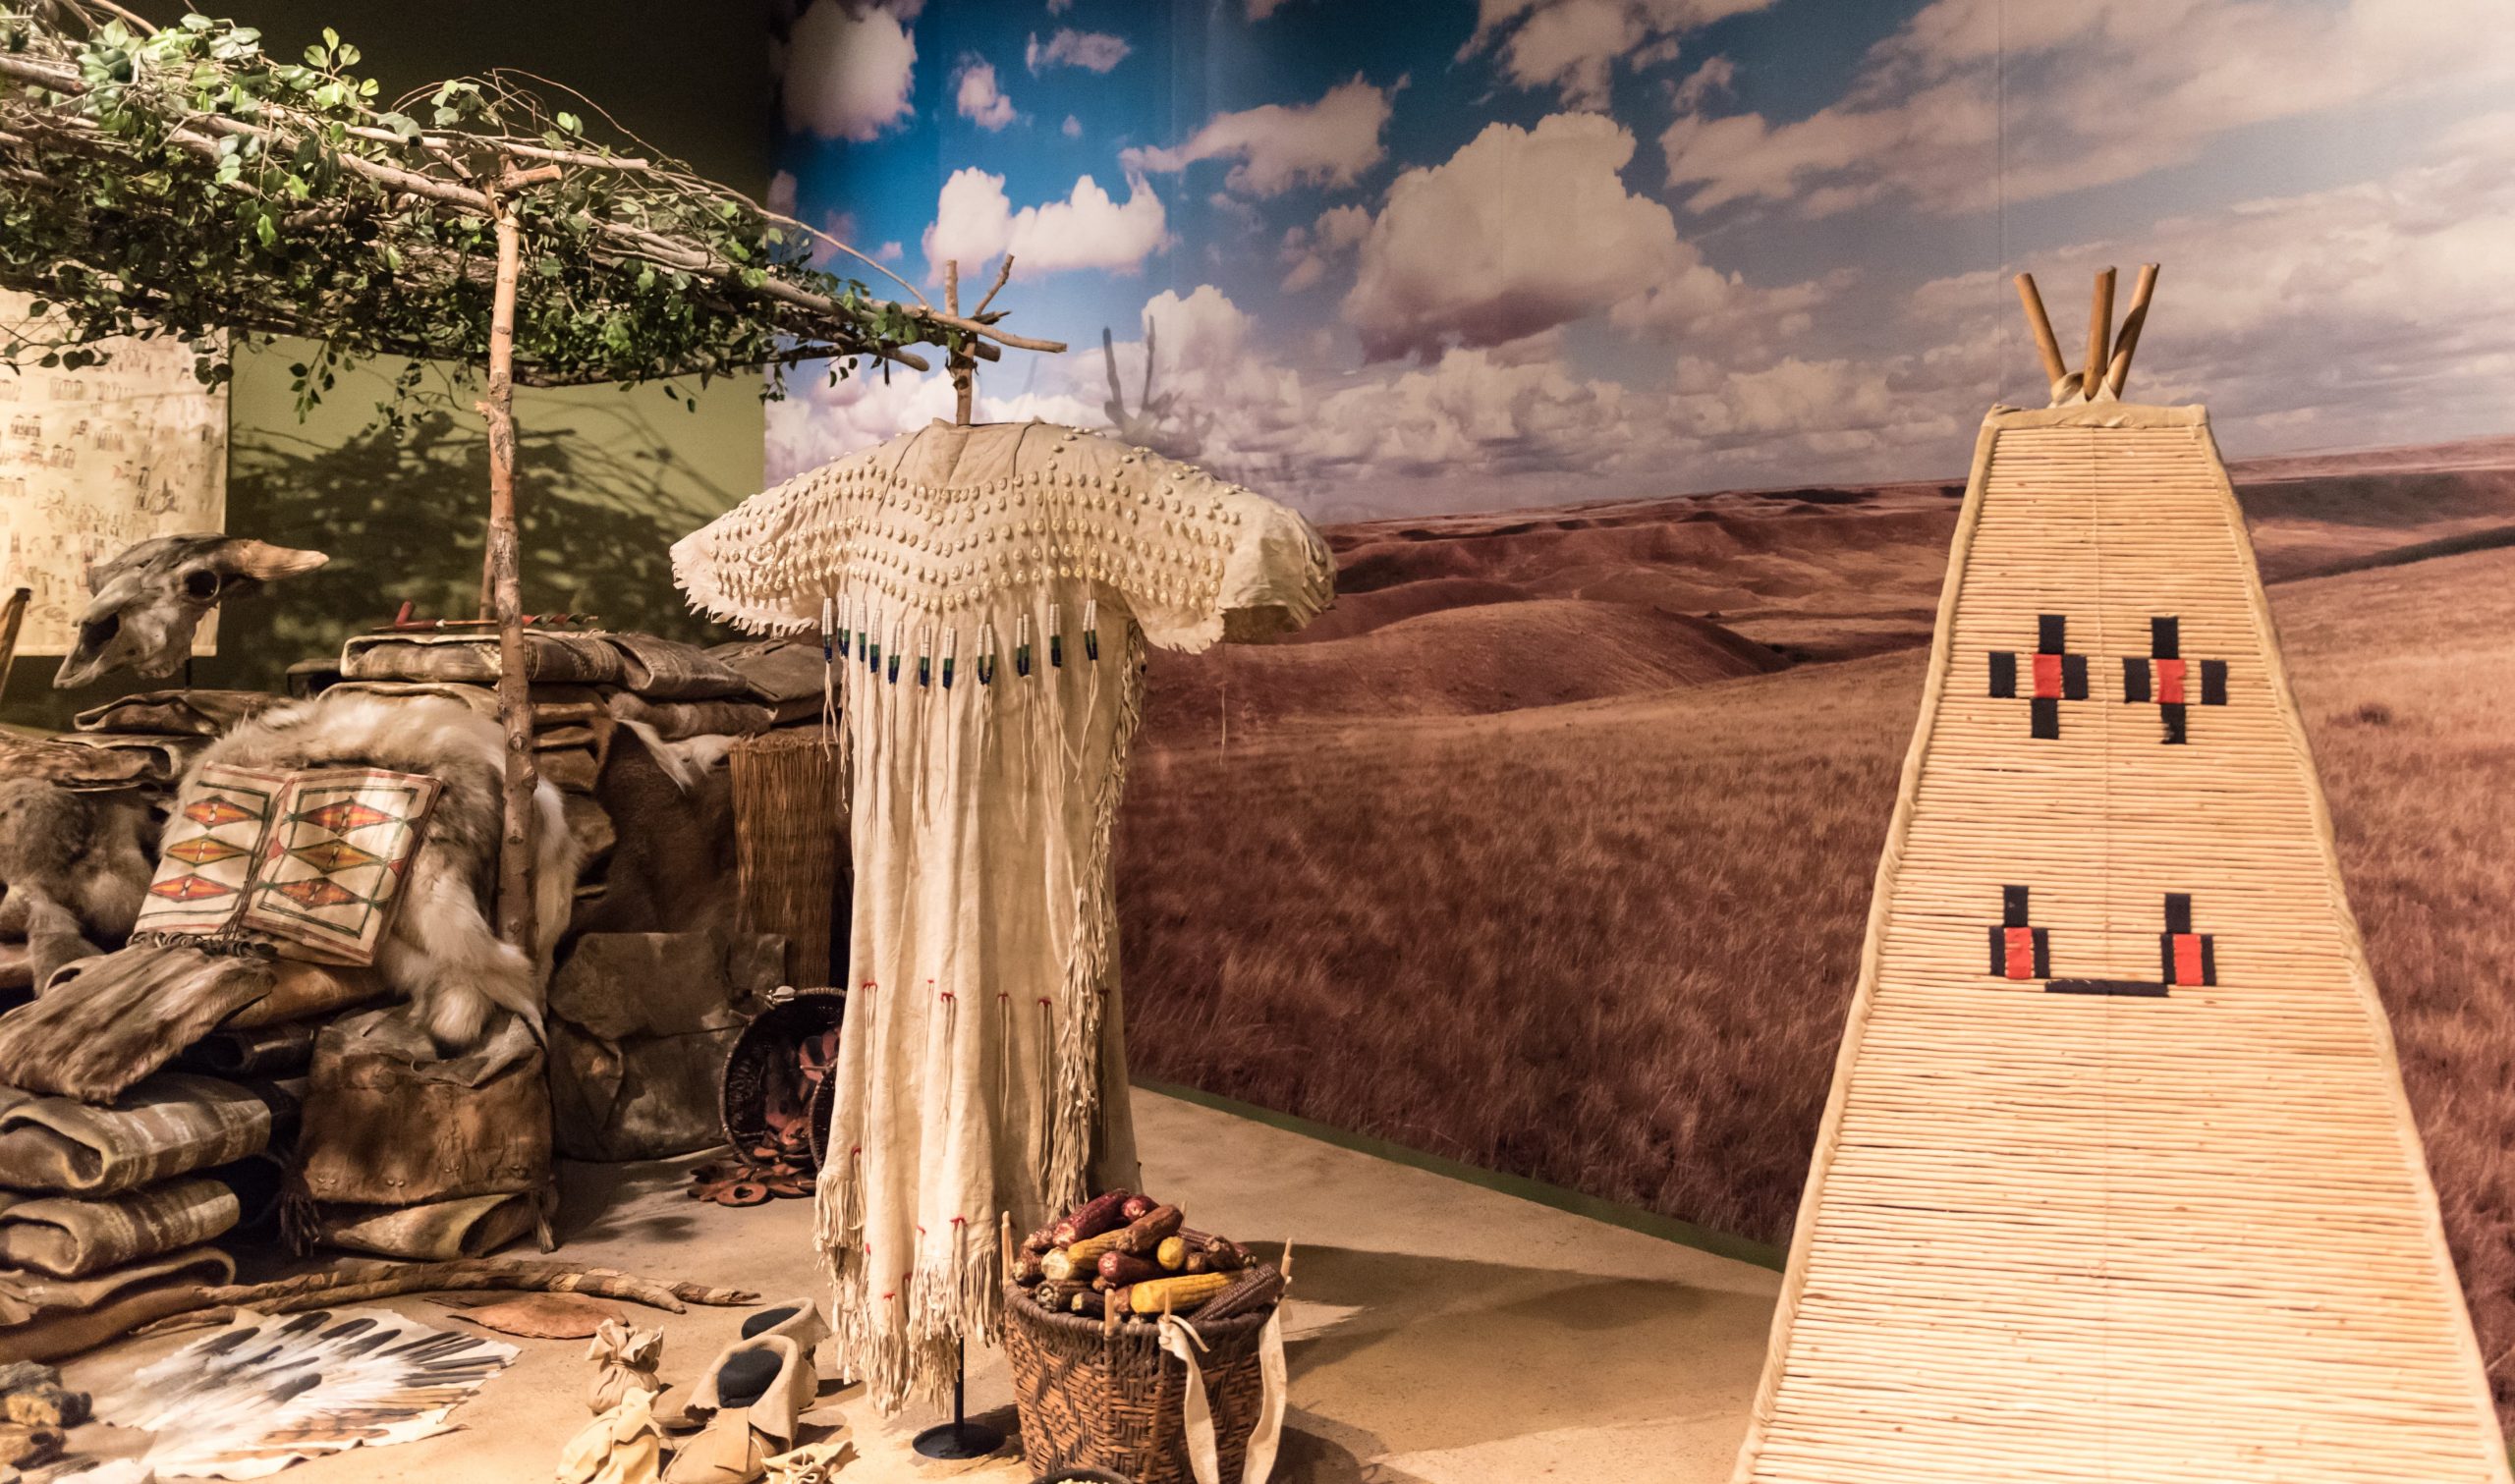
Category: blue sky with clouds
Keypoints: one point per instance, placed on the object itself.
(1424, 254)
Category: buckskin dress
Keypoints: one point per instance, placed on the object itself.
(987, 594)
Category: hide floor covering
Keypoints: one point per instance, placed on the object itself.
(1440, 1333)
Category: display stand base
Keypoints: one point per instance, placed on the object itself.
(959, 1437)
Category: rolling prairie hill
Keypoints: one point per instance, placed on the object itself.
(1550, 848)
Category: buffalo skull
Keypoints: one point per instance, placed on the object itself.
(150, 599)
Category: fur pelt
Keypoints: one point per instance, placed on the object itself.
(443, 952)
(73, 867)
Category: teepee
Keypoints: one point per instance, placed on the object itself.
(2116, 1181)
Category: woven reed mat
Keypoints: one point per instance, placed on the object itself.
(2116, 1181)
(790, 838)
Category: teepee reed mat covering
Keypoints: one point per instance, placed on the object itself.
(2116, 1179)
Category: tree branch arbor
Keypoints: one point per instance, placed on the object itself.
(181, 181)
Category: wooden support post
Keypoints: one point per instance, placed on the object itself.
(2118, 371)
(514, 685)
(2100, 329)
(962, 365)
(2046, 345)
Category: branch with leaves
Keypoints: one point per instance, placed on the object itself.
(182, 179)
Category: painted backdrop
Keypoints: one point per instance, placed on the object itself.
(1629, 351)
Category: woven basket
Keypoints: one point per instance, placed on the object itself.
(1113, 1400)
(768, 1049)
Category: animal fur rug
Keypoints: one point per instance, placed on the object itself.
(81, 1038)
(442, 953)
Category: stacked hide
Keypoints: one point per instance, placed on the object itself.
(633, 730)
(661, 966)
(108, 1211)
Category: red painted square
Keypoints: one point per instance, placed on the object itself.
(2048, 675)
(2017, 945)
(2186, 951)
(2169, 681)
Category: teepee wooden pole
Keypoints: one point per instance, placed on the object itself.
(2118, 370)
(2100, 328)
(2046, 345)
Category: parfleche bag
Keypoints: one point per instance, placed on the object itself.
(312, 860)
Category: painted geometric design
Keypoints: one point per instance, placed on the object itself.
(2164, 1217)
(335, 855)
(189, 888)
(2053, 676)
(202, 850)
(343, 815)
(266, 853)
(209, 850)
(316, 891)
(2166, 677)
(327, 897)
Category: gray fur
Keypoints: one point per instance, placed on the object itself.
(74, 866)
(443, 952)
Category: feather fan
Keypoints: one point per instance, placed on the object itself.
(269, 1390)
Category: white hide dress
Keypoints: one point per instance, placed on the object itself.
(991, 590)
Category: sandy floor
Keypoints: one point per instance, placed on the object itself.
(1440, 1331)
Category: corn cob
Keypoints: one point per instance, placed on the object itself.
(1137, 1206)
(1172, 1254)
(1117, 1270)
(1055, 1295)
(1222, 1254)
(1027, 1269)
(1144, 1236)
(1244, 1293)
(1179, 1293)
(1094, 1217)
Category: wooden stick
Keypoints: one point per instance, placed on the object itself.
(13, 614)
(959, 362)
(2046, 345)
(515, 698)
(2118, 371)
(371, 1281)
(2099, 325)
(1003, 274)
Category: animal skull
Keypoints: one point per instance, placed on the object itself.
(150, 599)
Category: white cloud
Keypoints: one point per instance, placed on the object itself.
(1093, 51)
(818, 423)
(1073, 126)
(2096, 92)
(1277, 146)
(848, 76)
(1573, 47)
(1310, 249)
(975, 222)
(890, 253)
(1260, 10)
(781, 192)
(976, 97)
(1519, 232)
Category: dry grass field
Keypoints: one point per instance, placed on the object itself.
(1557, 860)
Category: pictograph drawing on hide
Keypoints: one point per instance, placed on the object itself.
(2135, 1193)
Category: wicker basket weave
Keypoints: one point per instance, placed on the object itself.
(1093, 1398)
